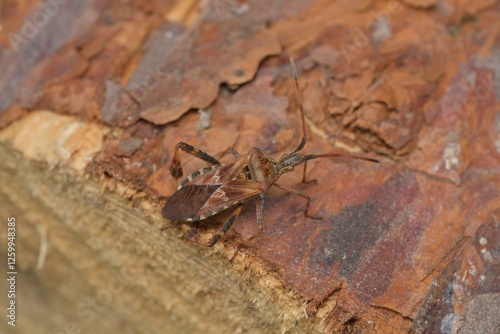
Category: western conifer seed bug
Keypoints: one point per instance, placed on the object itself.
(213, 189)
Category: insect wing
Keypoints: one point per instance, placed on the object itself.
(220, 175)
(229, 194)
(186, 201)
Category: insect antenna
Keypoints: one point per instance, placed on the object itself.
(338, 155)
(298, 95)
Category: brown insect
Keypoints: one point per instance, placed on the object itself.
(213, 189)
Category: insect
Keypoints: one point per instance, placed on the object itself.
(219, 187)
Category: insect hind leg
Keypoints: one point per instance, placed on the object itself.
(227, 225)
(175, 166)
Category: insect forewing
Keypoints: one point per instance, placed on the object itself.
(186, 202)
(227, 195)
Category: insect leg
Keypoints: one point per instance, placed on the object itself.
(175, 166)
(331, 155)
(259, 205)
(301, 194)
(172, 224)
(304, 175)
(298, 95)
(233, 152)
(227, 225)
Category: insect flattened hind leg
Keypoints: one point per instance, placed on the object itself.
(227, 225)
(301, 194)
(176, 167)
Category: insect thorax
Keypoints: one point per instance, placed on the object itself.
(263, 168)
